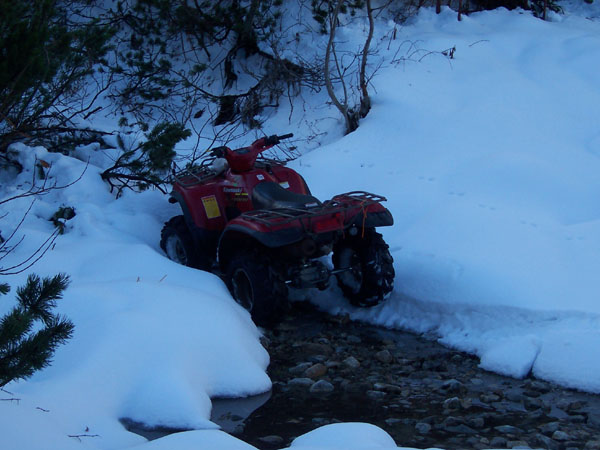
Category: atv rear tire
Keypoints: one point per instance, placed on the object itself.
(256, 286)
(177, 242)
(371, 275)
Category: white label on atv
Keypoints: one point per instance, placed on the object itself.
(285, 184)
(260, 177)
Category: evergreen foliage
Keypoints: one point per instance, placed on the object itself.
(31, 331)
(146, 165)
(47, 51)
(322, 9)
(164, 46)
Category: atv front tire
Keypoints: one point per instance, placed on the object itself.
(370, 275)
(254, 283)
(177, 242)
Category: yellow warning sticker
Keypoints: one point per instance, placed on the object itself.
(211, 207)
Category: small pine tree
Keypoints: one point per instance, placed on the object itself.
(31, 332)
(48, 49)
(146, 165)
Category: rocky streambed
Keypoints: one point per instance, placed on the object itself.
(327, 369)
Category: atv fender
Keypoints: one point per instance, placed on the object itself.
(176, 197)
(203, 238)
(374, 219)
(237, 236)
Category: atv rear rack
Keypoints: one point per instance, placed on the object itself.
(340, 205)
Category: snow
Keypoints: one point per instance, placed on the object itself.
(490, 165)
(342, 436)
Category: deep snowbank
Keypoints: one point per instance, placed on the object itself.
(153, 340)
(490, 163)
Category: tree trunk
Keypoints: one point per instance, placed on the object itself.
(343, 108)
(365, 100)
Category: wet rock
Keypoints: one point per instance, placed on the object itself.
(434, 364)
(536, 414)
(508, 429)
(517, 444)
(476, 422)
(545, 442)
(593, 419)
(452, 403)
(559, 435)
(509, 407)
(476, 381)
(376, 395)
(540, 386)
(575, 406)
(423, 427)
(481, 405)
(317, 349)
(316, 371)
(549, 428)
(299, 368)
(489, 398)
(351, 387)
(322, 386)
(532, 403)
(513, 396)
(531, 393)
(265, 342)
(452, 421)
(393, 421)
(466, 403)
(351, 362)
(498, 442)
(384, 356)
(317, 359)
(353, 339)
(460, 429)
(453, 386)
(320, 421)
(386, 387)
(592, 445)
(306, 382)
(333, 364)
(272, 440)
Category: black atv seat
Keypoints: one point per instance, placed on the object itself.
(270, 195)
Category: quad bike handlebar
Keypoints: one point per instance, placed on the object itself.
(243, 159)
(274, 140)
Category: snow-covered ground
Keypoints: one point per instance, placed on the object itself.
(490, 164)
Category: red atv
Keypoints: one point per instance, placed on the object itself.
(255, 222)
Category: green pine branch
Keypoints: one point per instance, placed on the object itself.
(22, 350)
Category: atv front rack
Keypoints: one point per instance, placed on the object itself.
(194, 175)
(335, 211)
(198, 174)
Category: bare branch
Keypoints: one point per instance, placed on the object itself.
(44, 189)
